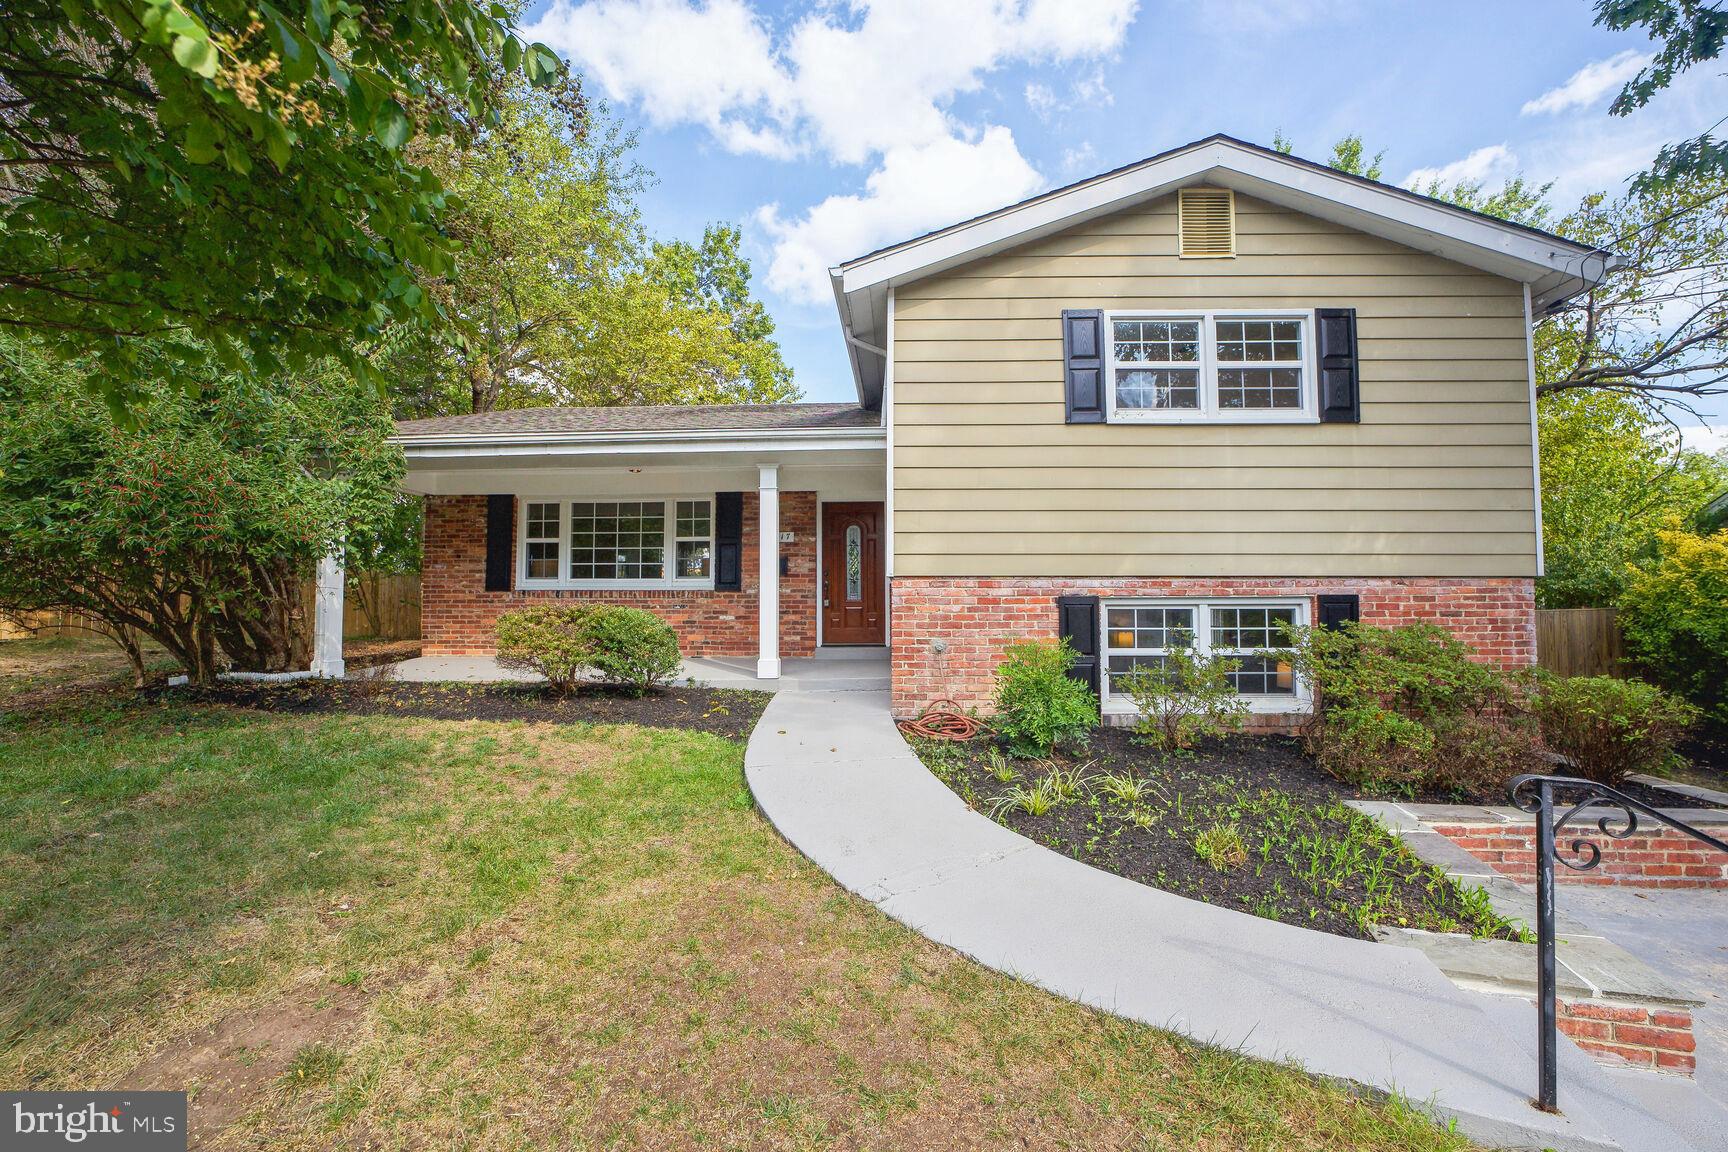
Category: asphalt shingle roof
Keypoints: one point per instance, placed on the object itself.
(659, 418)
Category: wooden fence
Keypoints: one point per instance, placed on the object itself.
(1580, 642)
(382, 607)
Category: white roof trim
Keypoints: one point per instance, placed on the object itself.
(1497, 247)
(1554, 268)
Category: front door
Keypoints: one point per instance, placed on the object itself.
(852, 574)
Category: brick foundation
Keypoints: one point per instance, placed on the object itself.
(458, 614)
(1632, 1034)
(975, 617)
(1650, 858)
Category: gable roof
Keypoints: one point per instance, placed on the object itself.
(1556, 269)
(535, 423)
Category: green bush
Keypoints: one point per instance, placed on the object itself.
(1038, 706)
(1611, 728)
(572, 643)
(1674, 616)
(1187, 698)
(1407, 710)
(548, 639)
(631, 647)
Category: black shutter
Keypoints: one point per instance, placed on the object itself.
(500, 541)
(1077, 623)
(1083, 365)
(1335, 341)
(1337, 610)
(728, 541)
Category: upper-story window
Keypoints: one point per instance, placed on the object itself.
(1221, 366)
(616, 543)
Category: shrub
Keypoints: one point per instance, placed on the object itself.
(1407, 710)
(1674, 615)
(571, 643)
(548, 639)
(1187, 698)
(1611, 728)
(631, 647)
(1038, 706)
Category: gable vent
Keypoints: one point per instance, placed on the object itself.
(1208, 221)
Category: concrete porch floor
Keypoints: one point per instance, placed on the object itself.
(830, 670)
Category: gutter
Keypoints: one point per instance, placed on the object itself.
(601, 439)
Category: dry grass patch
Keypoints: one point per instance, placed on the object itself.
(422, 934)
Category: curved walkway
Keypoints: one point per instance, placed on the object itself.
(834, 776)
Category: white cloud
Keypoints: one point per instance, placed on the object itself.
(1494, 161)
(711, 65)
(1702, 438)
(1079, 161)
(1042, 100)
(856, 81)
(1589, 84)
(916, 188)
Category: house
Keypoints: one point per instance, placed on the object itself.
(1209, 393)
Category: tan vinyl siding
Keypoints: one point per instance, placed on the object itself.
(1435, 481)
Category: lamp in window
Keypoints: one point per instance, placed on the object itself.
(1285, 682)
(1122, 639)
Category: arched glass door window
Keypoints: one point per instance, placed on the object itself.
(854, 563)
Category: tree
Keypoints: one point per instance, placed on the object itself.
(1613, 475)
(1656, 327)
(223, 170)
(562, 299)
(1691, 32)
(198, 526)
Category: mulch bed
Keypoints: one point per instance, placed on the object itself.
(727, 712)
(1310, 860)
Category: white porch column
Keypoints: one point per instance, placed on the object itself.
(768, 572)
(327, 618)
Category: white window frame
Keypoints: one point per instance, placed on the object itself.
(1301, 700)
(1209, 412)
(669, 543)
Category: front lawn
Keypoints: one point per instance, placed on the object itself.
(346, 931)
(1243, 822)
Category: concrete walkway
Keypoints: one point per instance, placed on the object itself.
(834, 776)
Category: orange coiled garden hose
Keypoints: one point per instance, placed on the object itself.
(942, 720)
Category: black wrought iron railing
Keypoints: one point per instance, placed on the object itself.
(1535, 794)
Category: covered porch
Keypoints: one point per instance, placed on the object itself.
(760, 548)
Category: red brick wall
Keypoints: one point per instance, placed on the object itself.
(976, 617)
(1640, 1035)
(458, 614)
(1649, 858)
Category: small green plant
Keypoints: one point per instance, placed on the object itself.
(1034, 800)
(1065, 783)
(999, 766)
(1185, 698)
(1608, 728)
(1038, 705)
(1124, 788)
(1221, 846)
(312, 1064)
(1141, 819)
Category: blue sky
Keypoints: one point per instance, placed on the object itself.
(826, 130)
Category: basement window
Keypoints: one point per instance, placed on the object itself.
(1142, 632)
